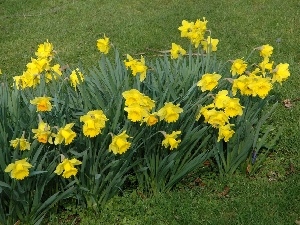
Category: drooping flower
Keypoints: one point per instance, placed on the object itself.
(22, 143)
(43, 133)
(209, 81)
(119, 144)
(205, 112)
(76, 78)
(53, 72)
(43, 104)
(19, 169)
(170, 140)
(176, 50)
(210, 44)
(238, 67)
(103, 45)
(225, 132)
(266, 50)
(67, 167)
(281, 72)
(65, 134)
(169, 112)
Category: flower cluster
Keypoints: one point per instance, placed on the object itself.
(218, 113)
(94, 121)
(31, 77)
(259, 81)
(195, 31)
(139, 106)
(136, 66)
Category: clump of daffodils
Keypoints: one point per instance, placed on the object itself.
(139, 106)
(218, 114)
(40, 66)
(195, 32)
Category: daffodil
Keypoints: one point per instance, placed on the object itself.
(22, 143)
(169, 112)
(238, 67)
(103, 45)
(266, 51)
(210, 44)
(119, 144)
(94, 121)
(209, 81)
(45, 50)
(225, 132)
(19, 169)
(281, 72)
(42, 133)
(177, 50)
(43, 104)
(67, 167)
(76, 77)
(170, 140)
(65, 134)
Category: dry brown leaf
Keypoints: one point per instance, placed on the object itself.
(287, 103)
(225, 192)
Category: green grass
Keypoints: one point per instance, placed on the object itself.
(136, 27)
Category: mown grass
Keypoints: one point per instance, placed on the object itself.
(136, 27)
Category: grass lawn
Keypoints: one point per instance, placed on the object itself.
(145, 27)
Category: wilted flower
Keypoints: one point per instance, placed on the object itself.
(119, 143)
(67, 167)
(19, 170)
